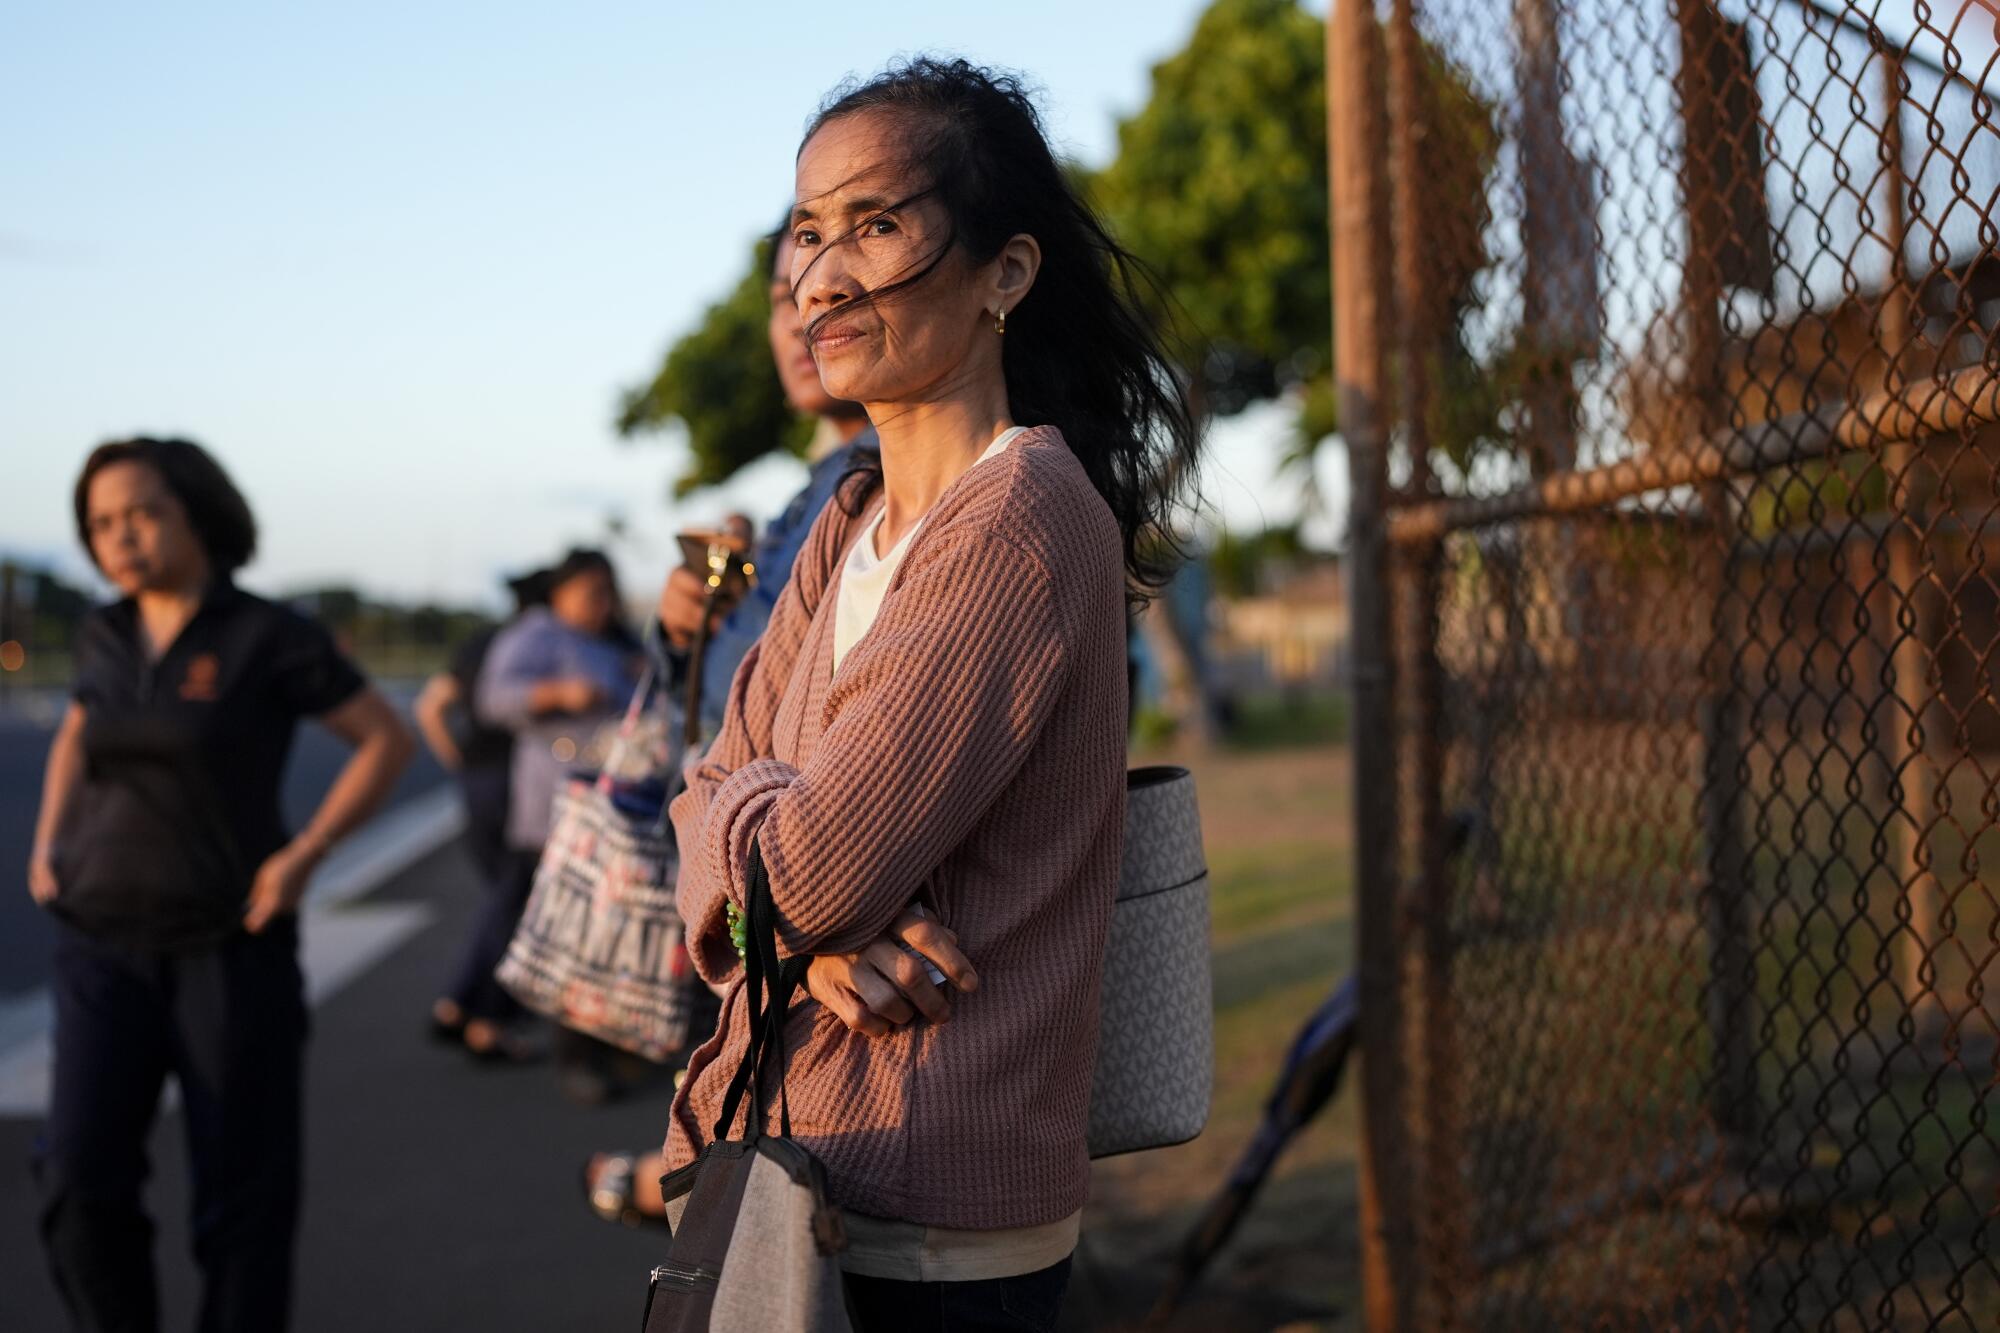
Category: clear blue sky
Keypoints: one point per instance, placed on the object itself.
(394, 262)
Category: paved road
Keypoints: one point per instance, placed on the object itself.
(25, 933)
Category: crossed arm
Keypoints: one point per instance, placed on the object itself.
(934, 711)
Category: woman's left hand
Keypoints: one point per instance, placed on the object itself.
(280, 884)
(882, 988)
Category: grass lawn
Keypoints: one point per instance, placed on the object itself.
(1276, 826)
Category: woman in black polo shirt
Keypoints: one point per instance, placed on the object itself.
(161, 849)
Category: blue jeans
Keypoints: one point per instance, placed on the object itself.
(1025, 1304)
(472, 984)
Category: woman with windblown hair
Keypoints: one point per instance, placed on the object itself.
(927, 747)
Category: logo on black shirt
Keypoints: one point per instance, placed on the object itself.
(203, 673)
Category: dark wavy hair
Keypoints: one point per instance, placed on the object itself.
(216, 510)
(584, 560)
(1082, 353)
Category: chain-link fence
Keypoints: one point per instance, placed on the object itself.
(1670, 378)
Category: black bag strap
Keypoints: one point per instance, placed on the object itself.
(771, 984)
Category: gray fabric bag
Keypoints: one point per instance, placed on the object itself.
(1156, 1029)
(756, 1244)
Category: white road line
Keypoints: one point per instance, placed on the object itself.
(392, 842)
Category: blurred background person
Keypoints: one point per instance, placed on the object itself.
(842, 439)
(161, 850)
(479, 756)
(556, 679)
(625, 1186)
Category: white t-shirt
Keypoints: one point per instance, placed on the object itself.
(866, 577)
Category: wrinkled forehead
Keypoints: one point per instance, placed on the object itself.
(855, 163)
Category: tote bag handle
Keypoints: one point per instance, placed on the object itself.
(628, 726)
(771, 983)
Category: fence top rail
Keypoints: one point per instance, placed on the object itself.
(1922, 411)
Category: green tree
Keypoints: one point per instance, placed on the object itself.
(1240, 563)
(718, 382)
(1220, 187)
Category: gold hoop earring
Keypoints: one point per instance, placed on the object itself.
(1000, 321)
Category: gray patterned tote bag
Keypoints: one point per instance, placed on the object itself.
(1156, 1028)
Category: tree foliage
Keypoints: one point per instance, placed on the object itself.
(718, 382)
(1238, 562)
(1220, 187)
(1458, 146)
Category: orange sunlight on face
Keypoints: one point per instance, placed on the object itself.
(140, 535)
(859, 229)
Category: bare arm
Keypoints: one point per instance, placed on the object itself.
(60, 779)
(440, 692)
(382, 749)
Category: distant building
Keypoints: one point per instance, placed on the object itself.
(1838, 355)
(1292, 635)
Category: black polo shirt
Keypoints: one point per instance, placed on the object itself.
(184, 759)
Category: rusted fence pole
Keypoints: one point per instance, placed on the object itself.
(1961, 400)
(1906, 622)
(1443, 1224)
(1731, 990)
(1359, 219)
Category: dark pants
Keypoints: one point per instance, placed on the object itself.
(1025, 1304)
(484, 791)
(230, 1023)
(473, 986)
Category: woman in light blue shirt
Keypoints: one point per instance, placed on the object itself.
(554, 678)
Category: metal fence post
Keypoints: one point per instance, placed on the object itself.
(1442, 1226)
(1906, 738)
(1359, 219)
(1725, 908)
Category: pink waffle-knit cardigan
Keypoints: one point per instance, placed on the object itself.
(969, 755)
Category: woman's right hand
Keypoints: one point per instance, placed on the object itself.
(42, 886)
(682, 601)
(568, 694)
(882, 988)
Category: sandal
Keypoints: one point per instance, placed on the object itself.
(609, 1190)
(504, 1047)
(447, 1031)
